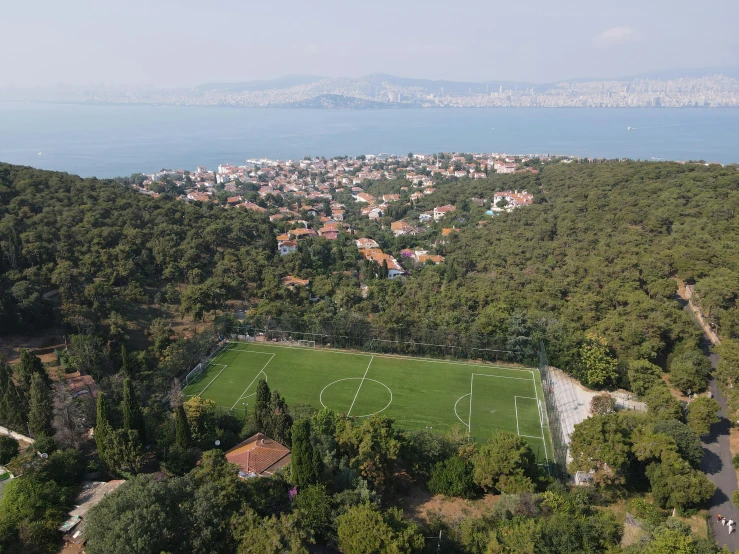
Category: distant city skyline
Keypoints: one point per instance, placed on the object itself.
(172, 43)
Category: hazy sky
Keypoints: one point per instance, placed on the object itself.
(188, 42)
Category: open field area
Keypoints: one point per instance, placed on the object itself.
(417, 393)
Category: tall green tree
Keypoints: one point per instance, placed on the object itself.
(133, 419)
(600, 368)
(30, 365)
(181, 428)
(506, 463)
(702, 414)
(12, 404)
(40, 407)
(125, 362)
(103, 427)
(305, 471)
(372, 448)
(600, 443)
(261, 405)
(280, 421)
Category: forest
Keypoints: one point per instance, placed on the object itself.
(592, 270)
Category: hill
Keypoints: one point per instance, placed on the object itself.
(340, 101)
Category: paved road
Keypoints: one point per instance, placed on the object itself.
(717, 465)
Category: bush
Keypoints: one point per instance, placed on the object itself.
(603, 404)
(45, 445)
(735, 498)
(735, 461)
(647, 511)
(452, 477)
(8, 449)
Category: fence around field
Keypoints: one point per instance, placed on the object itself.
(556, 403)
(366, 337)
(197, 370)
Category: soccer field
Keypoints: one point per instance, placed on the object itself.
(417, 393)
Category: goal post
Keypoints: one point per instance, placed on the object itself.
(307, 343)
(190, 377)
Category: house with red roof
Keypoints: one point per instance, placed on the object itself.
(259, 456)
(441, 211)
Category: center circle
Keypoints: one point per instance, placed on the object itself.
(352, 393)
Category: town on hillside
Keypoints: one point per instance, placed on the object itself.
(365, 198)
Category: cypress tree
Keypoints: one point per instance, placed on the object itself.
(261, 407)
(181, 428)
(103, 427)
(125, 364)
(384, 271)
(12, 403)
(133, 419)
(279, 422)
(316, 465)
(40, 409)
(302, 454)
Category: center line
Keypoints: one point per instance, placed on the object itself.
(360, 386)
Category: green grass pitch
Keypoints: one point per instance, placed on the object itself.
(417, 393)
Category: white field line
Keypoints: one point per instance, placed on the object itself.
(409, 358)
(214, 378)
(531, 437)
(500, 376)
(455, 410)
(360, 386)
(469, 419)
(515, 404)
(252, 352)
(541, 428)
(261, 372)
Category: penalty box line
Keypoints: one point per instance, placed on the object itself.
(214, 378)
(515, 403)
(261, 372)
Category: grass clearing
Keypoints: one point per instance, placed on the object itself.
(417, 393)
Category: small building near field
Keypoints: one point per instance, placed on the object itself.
(259, 456)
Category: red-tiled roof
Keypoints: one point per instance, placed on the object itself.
(259, 455)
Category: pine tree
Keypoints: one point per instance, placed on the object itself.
(29, 366)
(181, 428)
(12, 404)
(103, 427)
(302, 454)
(40, 408)
(133, 419)
(261, 407)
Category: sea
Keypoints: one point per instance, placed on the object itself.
(117, 140)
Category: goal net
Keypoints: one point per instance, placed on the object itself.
(190, 377)
(308, 343)
(543, 417)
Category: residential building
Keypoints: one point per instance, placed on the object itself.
(259, 456)
(441, 211)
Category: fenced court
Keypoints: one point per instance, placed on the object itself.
(417, 393)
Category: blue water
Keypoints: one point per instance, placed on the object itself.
(107, 141)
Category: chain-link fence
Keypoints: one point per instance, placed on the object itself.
(555, 418)
(355, 333)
